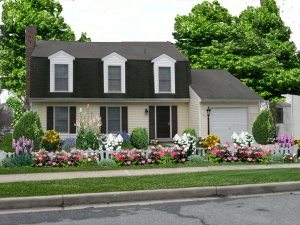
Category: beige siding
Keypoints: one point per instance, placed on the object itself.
(253, 111)
(194, 111)
(183, 116)
(296, 116)
(136, 112)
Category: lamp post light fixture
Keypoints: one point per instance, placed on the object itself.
(146, 111)
(208, 110)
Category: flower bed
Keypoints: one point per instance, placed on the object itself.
(224, 153)
(62, 158)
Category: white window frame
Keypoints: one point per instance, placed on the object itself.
(163, 61)
(68, 117)
(64, 58)
(120, 107)
(114, 59)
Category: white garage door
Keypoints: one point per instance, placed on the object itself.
(225, 121)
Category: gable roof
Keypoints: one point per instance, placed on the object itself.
(98, 50)
(220, 85)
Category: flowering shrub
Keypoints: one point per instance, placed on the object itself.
(62, 158)
(243, 139)
(88, 130)
(111, 142)
(187, 142)
(210, 141)
(50, 140)
(129, 157)
(285, 140)
(173, 154)
(288, 157)
(22, 146)
(245, 154)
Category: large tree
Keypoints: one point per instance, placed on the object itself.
(255, 46)
(16, 16)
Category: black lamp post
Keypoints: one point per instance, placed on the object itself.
(208, 120)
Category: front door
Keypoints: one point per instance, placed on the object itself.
(163, 121)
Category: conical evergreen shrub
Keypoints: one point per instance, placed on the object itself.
(263, 127)
(29, 126)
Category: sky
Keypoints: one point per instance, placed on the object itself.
(151, 20)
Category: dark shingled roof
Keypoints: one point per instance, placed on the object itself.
(129, 50)
(220, 85)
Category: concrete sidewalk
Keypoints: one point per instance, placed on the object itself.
(132, 172)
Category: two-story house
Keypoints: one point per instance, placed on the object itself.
(132, 84)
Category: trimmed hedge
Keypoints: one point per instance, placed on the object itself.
(6, 143)
(263, 127)
(139, 138)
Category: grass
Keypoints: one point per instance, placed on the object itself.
(109, 184)
(22, 170)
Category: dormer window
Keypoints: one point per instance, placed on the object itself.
(61, 75)
(114, 73)
(61, 72)
(164, 74)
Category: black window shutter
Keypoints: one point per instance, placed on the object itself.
(125, 119)
(72, 120)
(151, 122)
(50, 118)
(174, 121)
(103, 119)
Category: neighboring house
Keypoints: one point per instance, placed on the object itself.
(130, 84)
(288, 116)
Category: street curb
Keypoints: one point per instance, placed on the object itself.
(145, 195)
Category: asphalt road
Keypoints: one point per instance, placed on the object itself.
(277, 209)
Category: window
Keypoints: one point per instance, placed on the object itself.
(61, 77)
(113, 119)
(61, 119)
(61, 72)
(164, 74)
(164, 79)
(114, 73)
(114, 78)
(279, 115)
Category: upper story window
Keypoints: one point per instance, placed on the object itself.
(114, 78)
(164, 74)
(114, 73)
(61, 72)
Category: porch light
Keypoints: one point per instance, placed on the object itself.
(146, 111)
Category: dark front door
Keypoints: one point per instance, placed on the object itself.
(163, 122)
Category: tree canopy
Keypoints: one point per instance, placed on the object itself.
(16, 16)
(255, 46)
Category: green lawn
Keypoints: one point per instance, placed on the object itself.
(22, 170)
(90, 185)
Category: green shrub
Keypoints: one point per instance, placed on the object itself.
(17, 161)
(278, 157)
(190, 131)
(139, 138)
(107, 163)
(126, 145)
(263, 127)
(196, 158)
(6, 143)
(29, 127)
(87, 139)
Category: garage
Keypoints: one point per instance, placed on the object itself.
(225, 121)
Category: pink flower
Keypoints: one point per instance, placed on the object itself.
(183, 160)
(149, 160)
(249, 159)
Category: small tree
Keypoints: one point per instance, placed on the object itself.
(29, 127)
(139, 138)
(263, 127)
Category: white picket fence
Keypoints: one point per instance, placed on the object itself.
(107, 154)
